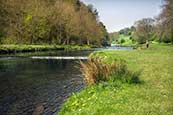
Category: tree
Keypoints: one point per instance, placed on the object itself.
(2, 19)
(70, 22)
(165, 22)
(144, 30)
(113, 36)
(125, 31)
(105, 36)
(50, 22)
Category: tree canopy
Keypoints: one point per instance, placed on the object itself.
(50, 22)
(165, 22)
(144, 29)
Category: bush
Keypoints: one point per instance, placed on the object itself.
(122, 41)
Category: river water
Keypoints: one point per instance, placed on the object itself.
(39, 83)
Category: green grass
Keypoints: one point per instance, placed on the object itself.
(32, 48)
(128, 41)
(154, 96)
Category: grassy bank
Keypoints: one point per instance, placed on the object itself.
(127, 40)
(124, 40)
(4, 49)
(153, 96)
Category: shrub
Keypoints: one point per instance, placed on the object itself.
(122, 41)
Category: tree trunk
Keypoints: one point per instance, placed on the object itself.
(68, 41)
(60, 41)
(88, 42)
(50, 40)
(31, 40)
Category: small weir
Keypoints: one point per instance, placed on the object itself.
(62, 58)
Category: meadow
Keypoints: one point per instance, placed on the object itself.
(152, 96)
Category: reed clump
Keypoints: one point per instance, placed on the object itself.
(95, 70)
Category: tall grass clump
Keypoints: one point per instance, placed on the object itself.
(97, 69)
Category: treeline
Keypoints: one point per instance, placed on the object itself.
(159, 29)
(67, 22)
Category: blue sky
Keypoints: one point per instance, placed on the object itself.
(117, 14)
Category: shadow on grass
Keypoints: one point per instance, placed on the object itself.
(129, 77)
(135, 78)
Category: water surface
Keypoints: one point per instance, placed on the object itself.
(40, 82)
(27, 84)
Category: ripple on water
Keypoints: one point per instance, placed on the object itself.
(37, 86)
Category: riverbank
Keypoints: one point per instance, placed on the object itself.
(152, 96)
(6, 49)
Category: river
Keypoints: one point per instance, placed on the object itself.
(32, 83)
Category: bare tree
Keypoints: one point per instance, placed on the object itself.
(165, 19)
(144, 28)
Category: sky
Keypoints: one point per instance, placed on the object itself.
(118, 14)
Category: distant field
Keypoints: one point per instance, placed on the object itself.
(127, 41)
(154, 96)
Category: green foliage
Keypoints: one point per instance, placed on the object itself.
(51, 22)
(114, 42)
(28, 19)
(125, 37)
(122, 41)
(126, 40)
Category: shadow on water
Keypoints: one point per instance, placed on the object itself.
(33, 86)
